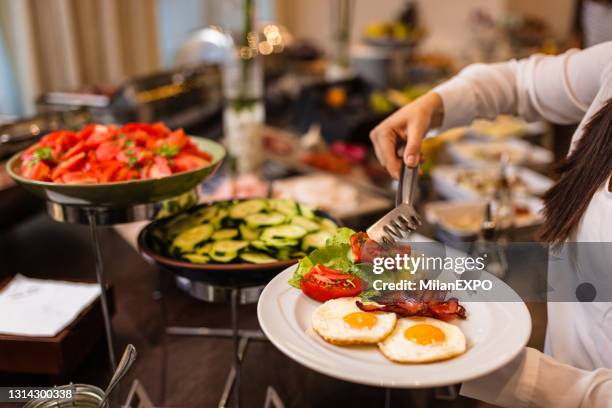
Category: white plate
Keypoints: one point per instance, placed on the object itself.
(519, 151)
(496, 332)
(444, 181)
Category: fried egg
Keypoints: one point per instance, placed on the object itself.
(341, 322)
(422, 340)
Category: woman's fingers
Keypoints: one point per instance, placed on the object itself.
(415, 132)
(385, 142)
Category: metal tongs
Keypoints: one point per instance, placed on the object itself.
(400, 222)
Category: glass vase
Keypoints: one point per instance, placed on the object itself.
(244, 111)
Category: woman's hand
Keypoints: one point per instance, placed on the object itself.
(410, 123)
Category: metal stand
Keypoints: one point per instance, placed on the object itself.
(108, 328)
(240, 337)
(95, 216)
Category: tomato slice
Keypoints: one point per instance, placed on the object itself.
(187, 161)
(107, 151)
(357, 240)
(79, 177)
(159, 168)
(37, 170)
(74, 150)
(323, 283)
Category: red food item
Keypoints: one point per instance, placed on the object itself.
(108, 153)
(427, 303)
(357, 240)
(36, 171)
(323, 283)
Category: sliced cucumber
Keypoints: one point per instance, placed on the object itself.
(281, 243)
(262, 220)
(284, 206)
(327, 225)
(283, 232)
(283, 254)
(222, 247)
(223, 257)
(259, 244)
(308, 224)
(242, 209)
(248, 234)
(257, 257)
(315, 240)
(197, 258)
(306, 211)
(224, 234)
(204, 249)
(188, 239)
(206, 213)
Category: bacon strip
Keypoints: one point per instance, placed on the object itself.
(425, 304)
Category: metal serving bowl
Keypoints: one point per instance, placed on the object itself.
(121, 193)
(241, 274)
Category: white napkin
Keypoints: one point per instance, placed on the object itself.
(39, 307)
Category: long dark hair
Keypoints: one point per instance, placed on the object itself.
(582, 173)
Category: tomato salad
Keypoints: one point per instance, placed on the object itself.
(109, 153)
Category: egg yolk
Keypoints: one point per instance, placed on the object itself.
(424, 334)
(360, 320)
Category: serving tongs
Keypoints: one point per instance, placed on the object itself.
(400, 222)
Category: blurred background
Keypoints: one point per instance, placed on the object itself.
(292, 88)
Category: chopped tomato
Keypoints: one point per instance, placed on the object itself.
(74, 150)
(100, 134)
(36, 170)
(110, 169)
(108, 153)
(187, 161)
(79, 177)
(159, 168)
(323, 283)
(357, 240)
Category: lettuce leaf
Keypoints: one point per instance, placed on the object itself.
(336, 254)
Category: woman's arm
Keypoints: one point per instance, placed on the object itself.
(536, 380)
(555, 88)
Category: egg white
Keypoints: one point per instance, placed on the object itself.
(396, 347)
(328, 322)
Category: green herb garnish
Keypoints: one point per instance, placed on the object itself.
(44, 153)
(168, 150)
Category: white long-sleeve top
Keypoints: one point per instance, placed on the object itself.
(565, 89)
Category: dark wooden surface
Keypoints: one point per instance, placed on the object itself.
(197, 367)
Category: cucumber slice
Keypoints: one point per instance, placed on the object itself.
(224, 234)
(284, 206)
(327, 225)
(281, 243)
(262, 220)
(188, 239)
(219, 217)
(197, 258)
(223, 258)
(257, 257)
(283, 232)
(259, 244)
(316, 240)
(298, 254)
(307, 211)
(283, 254)
(204, 249)
(242, 209)
(224, 247)
(248, 234)
(205, 214)
(307, 224)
